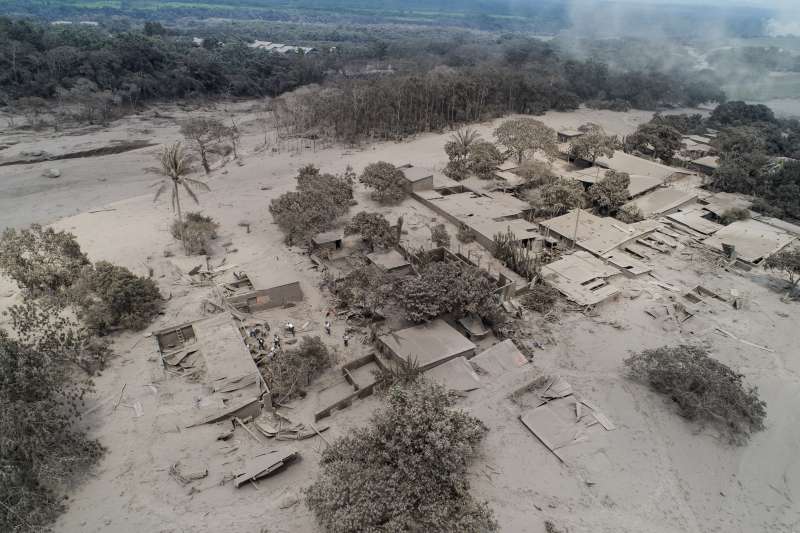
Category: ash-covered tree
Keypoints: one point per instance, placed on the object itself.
(51, 331)
(738, 113)
(202, 133)
(439, 236)
(703, 388)
(42, 445)
(364, 290)
(663, 140)
(458, 151)
(41, 260)
(386, 181)
(483, 159)
(112, 297)
(374, 229)
(445, 287)
(629, 214)
(593, 143)
(786, 262)
(314, 207)
(610, 193)
(557, 197)
(536, 173)
(405, 471)
(527, 136)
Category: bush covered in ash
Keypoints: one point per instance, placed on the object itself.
(405, 471)
(541, 298)
(288, 373)
(702, 387)
(198, 231)
(111, 297)
(41, 260)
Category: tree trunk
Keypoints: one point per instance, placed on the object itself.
(204, 159)
(180, 214)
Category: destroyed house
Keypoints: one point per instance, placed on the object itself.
(227, 365)
(582, 278)
(248, 294)
(598, 235)
(485, 214)
(426, 345)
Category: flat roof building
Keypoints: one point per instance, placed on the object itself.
(485, 214)
(662, 201)
(753, 241)
(638, 185)
(705, 165)
(426, 345)
(417, 178)
(622, 162)
(390, 262)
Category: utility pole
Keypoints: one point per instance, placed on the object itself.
(575, 233)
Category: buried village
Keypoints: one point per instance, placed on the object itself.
(529, 324)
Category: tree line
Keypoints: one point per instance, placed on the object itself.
(444, 97)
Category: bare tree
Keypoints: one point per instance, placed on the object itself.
(174, 167)
(202, 133)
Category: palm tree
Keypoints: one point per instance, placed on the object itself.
(464, 138)
(174, 167)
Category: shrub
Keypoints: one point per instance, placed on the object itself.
(557, 197)
(541, 298)
(111, 297)
(439, 236)
(41, 259)
(287, 373)
(733, 214)
(198, 230)
(465, 234)
(386, 181)
(515, 255)
(702, 387)
(405, 471)
(40, 444)
(629, 214)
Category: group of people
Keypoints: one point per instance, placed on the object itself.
(261, 336)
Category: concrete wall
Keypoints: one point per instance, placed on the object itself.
(261, 299)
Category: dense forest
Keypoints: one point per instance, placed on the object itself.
(541, 16)
(436, 85)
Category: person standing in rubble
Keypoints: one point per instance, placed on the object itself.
(328, 327)
(290, 328)
(346, 339)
